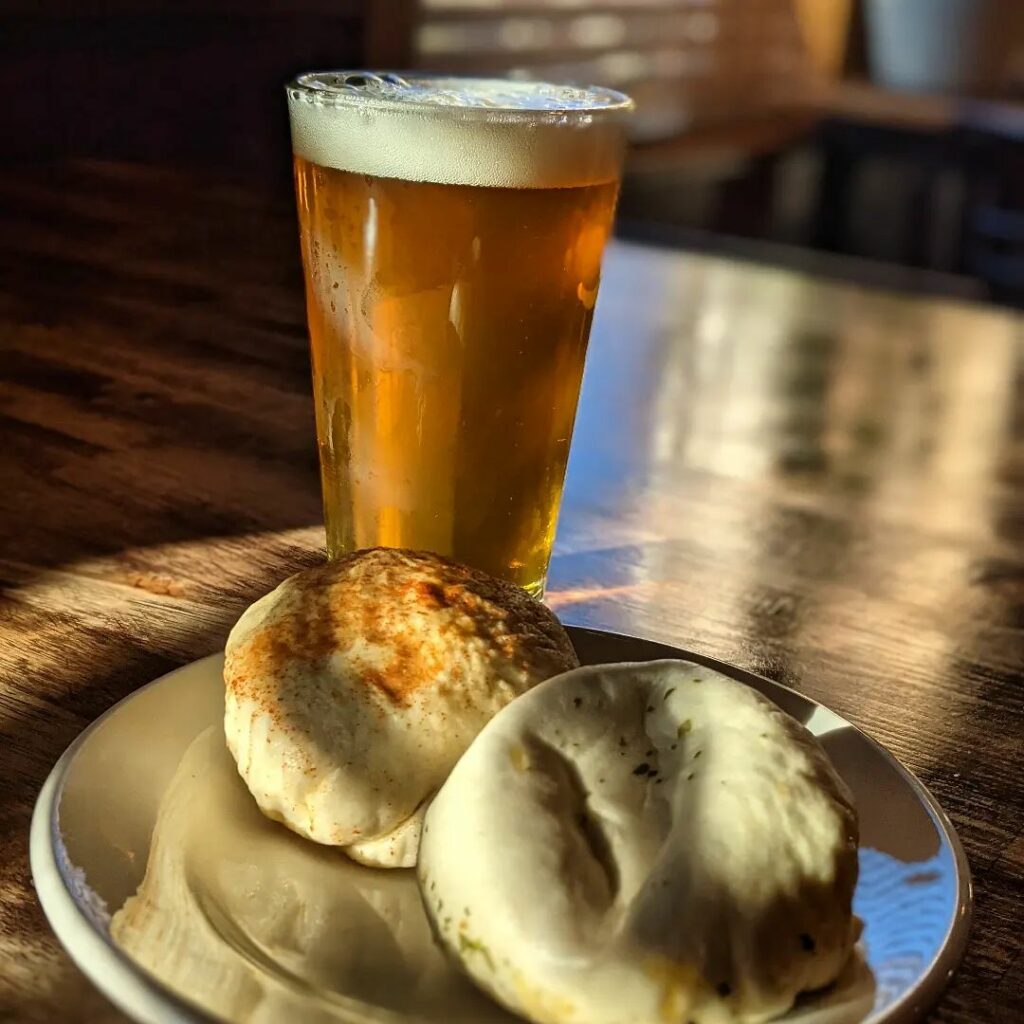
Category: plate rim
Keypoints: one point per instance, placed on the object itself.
(131, 988)
(143, 997)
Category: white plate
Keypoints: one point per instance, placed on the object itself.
(254, 923)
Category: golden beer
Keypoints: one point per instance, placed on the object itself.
(452, 256)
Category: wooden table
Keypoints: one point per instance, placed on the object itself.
(819, 483)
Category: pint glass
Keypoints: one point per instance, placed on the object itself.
(452, 232)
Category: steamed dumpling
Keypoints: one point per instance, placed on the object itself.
(651, 843)
(353, 688)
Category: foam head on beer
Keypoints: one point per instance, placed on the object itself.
(452, 233)
(484, 132)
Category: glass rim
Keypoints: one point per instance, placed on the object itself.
(338, 88)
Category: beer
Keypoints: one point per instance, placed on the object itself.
(452, 252)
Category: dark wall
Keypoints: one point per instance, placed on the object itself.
(182, 83)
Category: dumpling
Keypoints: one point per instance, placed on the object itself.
(652, 843)
(353, 688)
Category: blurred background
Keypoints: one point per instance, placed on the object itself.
(872, 140)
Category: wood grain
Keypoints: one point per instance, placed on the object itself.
(815, 482)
